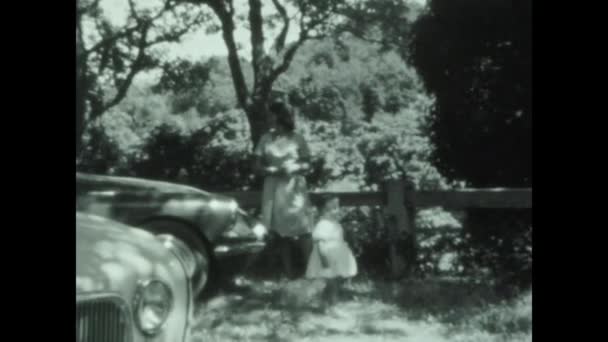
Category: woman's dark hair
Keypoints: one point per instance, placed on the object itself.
(283, 115)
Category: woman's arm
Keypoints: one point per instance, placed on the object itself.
(262, 169)
(303, 163)
(260, 166)
(297, 167)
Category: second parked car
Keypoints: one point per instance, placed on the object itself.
(213, 226)
(130, 285)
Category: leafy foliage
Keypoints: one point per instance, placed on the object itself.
(361, 99)
(112, 49)
(476, 58)
(212, 149)
(110, 145)
(270, 53)
(186, 81)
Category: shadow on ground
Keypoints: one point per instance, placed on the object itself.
(429, 310)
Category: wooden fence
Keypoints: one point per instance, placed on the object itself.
(402, 204)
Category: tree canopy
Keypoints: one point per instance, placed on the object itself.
(111, 50)
(476, 57)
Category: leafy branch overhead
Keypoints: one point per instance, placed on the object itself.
(269, 22)
(110, 52)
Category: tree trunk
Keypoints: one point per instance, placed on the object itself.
(81, 105)
(81, 72)
(259, 121)
(80, 126)
(254, 103)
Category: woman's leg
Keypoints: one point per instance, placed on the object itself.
(286, 251)
(304, 247)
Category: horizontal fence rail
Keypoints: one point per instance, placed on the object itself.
(402, 204)
(472, 198)
(347, 199)
(453, 199)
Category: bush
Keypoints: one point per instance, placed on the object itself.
(500, 241)
(110, 145)
(439, 242)
(367, 238)
(163, 154)
(213, 153)
(397, 148)
(507, 318)
(221, 154)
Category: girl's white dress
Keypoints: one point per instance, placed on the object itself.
(331, 256)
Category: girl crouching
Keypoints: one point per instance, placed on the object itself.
(331, 257)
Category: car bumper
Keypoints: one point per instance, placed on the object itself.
(236, 258)
(224, 250)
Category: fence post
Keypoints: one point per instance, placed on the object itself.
(402, 219)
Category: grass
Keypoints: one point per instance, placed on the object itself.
(430, 310)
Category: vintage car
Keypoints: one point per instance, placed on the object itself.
(219, 233)
(130, 285)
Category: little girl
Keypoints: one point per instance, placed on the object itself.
(331, 258)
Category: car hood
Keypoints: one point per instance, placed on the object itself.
(113, 257)
(211, 213)
(134, 184)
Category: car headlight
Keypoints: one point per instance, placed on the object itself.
(237, 228)
(227, 209)
(245, 227)
(152, 304)
(260, 230)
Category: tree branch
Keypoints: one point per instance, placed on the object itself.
(280, 40)
(133, 11)
(287, 58)
(81, 10)
(230, 7)
(169, 5)
(95, 103)
(137, 64)
(291, 50)
(314, 23)
(111, 40)
(123, 85)
(358, 34)
(304, 36)
(104, 58)
(175, 35)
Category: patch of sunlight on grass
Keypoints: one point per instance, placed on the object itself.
(507, 317)
(505, 321)
(375, 311)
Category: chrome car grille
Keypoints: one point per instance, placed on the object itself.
(102, 319)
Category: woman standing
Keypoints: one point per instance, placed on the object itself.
(282, 156)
